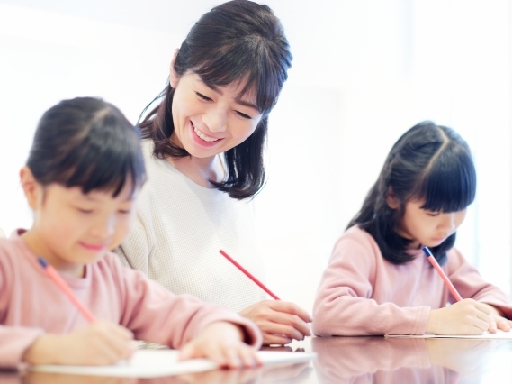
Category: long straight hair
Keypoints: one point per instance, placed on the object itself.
(429, 163)
(236, 41)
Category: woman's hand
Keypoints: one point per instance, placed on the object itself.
(279, 321)
(223, 343)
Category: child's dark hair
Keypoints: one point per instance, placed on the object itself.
(429, 163)
(236, 41)
(86, 142)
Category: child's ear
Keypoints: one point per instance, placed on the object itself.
(173, 77)
(392, 201)
(31, 187)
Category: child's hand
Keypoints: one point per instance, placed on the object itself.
(280, 321)
(101, 343)
(498, 321)
(222, 343)
(466, 317)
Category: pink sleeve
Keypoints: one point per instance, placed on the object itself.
(13, 340)
(156, 315)
(469, 283)
(344, 304)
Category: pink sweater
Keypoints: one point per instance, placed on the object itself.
(361, 293)
(32, 304)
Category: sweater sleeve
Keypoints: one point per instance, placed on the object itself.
(344, 303)
(156, 315)
(468, 281)
(13, 339)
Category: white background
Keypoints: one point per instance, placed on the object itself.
(363, 72)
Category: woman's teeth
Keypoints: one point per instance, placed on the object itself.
(204, 137)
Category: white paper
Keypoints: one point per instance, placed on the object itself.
(157, 363)
(486, 336)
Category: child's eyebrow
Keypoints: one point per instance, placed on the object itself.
(93, 199)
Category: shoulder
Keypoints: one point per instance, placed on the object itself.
(7, 251)
(147, 146)
(358, 239)
(109, 267)
(454, 259)
(12, 256)
(110, 261)
(12, 248)
(356, 246)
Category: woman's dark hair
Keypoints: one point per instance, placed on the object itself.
(235, 41)
(429, 163)
(88, 143)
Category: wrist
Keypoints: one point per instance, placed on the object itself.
(42, 350)
(495, 310)
(431, 322)
(225, 327)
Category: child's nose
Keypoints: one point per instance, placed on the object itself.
(104, 227)
(449, 221)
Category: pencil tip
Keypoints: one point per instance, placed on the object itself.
(42, 262)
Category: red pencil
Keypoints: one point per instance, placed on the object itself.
(53, 274)
(249, 275)
(441, 273)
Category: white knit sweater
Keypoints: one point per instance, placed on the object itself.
(179, 230)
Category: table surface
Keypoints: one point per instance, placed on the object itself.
(358, 360)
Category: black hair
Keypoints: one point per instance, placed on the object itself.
(429, 163)
(236, 41)
(86, 142)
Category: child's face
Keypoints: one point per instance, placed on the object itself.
(210, 121)
(73, 228)
(428, 228)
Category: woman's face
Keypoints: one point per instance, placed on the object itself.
(208, 120)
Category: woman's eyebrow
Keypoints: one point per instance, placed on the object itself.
(238, 100)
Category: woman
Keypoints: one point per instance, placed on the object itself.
(203, 149)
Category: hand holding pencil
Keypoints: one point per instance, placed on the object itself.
(279, 321)
(99, 343)
(466, 316)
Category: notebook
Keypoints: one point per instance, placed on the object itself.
(147, 363)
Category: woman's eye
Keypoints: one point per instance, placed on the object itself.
(205, 98)
(84, 211)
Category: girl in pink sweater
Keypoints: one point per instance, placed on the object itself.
(379, 281)
(81, 180)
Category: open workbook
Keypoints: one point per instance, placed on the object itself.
(486, 336)
(157, 363)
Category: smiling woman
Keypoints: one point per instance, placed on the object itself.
(203, 146)
(209, 120)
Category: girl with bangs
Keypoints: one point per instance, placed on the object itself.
(203, 147)
(379, 281)
(81, 181)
